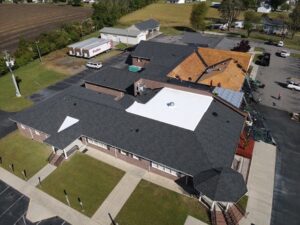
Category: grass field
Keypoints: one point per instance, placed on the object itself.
(34, 77)
(84, 177)
(23, 153)
(243, 202)
(150, 204)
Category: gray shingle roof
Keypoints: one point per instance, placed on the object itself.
(147, 24)
(163, 54)
(198, 39)
(113, 78)
(221, 184)
(211, 145)
(120, 31)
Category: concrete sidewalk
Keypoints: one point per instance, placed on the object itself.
(132, 169)
(193, 221)
(42, 204)
(261, 185)
(117, 198)
(43, 173)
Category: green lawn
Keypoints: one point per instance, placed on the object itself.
(24, 153)
(243, 202)
(34, 77)
(105, 56)
(295, 55)
(84, 177)
(150, 204)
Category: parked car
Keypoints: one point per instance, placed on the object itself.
(294, 87)
(280, 44)
(293, 80)
(264, 60)
(94, 65)
(270, 42)
(284, 53)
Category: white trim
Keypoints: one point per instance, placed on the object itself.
(97, 143)
(36, 132)
(164, 169)
(135, 157)
(122, 152)
(22, 126)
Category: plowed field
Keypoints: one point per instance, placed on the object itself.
(29, 20)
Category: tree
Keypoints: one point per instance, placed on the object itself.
(285, 7)
(250, 19)
(24, 54)
(276, 3)
(3, 67)
(198, 14)
(295, 20)
(230, 10)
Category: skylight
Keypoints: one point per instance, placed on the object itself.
(68, 122)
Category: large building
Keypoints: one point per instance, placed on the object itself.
(173, 127)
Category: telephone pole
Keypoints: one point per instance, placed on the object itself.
(10, 63)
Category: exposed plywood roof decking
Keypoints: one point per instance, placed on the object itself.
(214, 67)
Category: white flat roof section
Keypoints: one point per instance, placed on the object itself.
(175, 107)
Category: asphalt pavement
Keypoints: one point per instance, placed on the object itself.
(14, 206)
(6, 125)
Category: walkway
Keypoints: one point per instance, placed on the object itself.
(46, 205)
(261, 185)
(117, 198)
(127, 167)
(43, 173)
(193, 221)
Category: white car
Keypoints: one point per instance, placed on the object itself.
(280, 44)
(94, 65)
(284, 53)
(293, 87)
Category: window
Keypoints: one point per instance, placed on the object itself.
(97, 143)
(36, 132)
(123, 153)
(139, 60)
(135, 157)
(164, 169)
(22, 126)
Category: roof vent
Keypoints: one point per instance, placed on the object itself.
(227, 121)
(170, 104)
(74, 103)
(215, 114)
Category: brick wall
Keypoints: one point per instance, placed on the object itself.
(32, 133)
(156, 84)
(143, 163)
(104, 90)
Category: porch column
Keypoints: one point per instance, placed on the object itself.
(66, 157)
(200, 198)
(186, 180)
(53, 149)
(227, 206)
(212, 206)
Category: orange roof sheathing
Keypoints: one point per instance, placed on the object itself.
(227, 75)
(189, 69)
(214, 56)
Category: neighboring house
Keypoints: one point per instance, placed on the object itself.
(264, 8)
(184, 134)
(149, 27)
(132, 35)
(120, 35)
(274, 26)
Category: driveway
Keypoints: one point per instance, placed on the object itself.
(119, 61)
(286, 200)
(6, 125)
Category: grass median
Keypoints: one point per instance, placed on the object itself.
(23, 153)
(150, 204)
(84, 177)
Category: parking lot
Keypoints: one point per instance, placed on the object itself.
(14, 206)
(274, 77)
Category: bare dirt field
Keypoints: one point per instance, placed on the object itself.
(29, 20)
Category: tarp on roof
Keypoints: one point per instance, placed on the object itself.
(233, 97)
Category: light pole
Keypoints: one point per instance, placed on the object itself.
(10, 63)
(38, 49)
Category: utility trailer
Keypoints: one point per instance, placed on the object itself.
(74, 49)
(102, 45)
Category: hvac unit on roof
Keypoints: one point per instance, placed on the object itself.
(140, 87)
